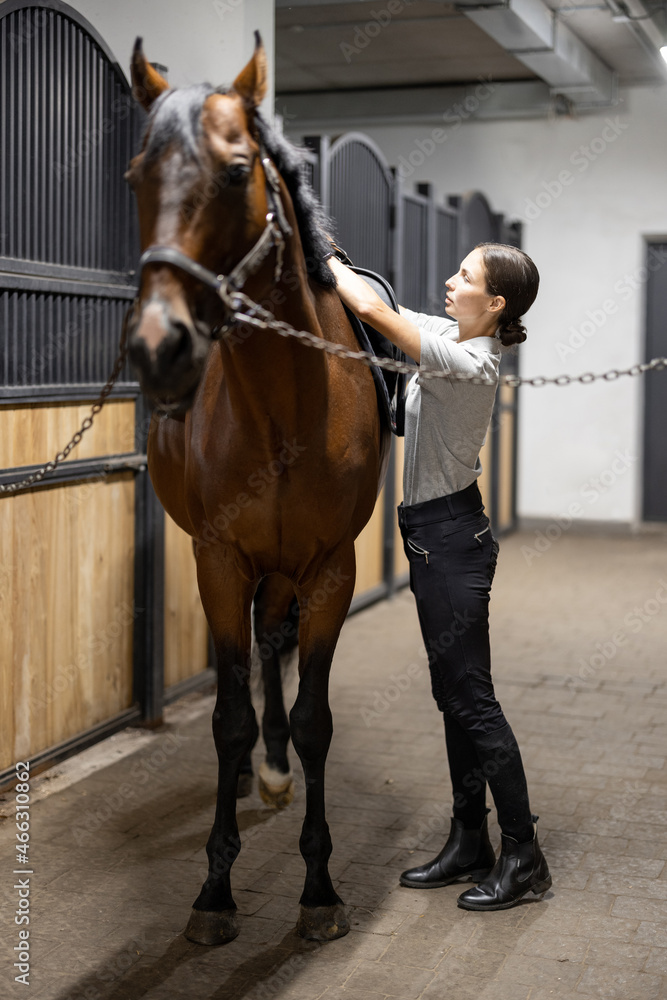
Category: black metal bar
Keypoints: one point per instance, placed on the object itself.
(68, 748)
(21, 394)
(205, 679)
(63, 286)
(74, 470)
(368, 597)
(389, 522)
(148, 589)
(97, 276)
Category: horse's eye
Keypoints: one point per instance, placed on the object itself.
(237, 172)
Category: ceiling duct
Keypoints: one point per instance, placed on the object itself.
(533, 34)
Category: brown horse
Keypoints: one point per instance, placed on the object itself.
(274, 453)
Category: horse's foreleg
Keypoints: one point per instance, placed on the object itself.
(226, 599)
(276, 632)
(324, 604)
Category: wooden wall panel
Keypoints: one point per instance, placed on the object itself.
(369, 551)
(31, 435)
(506, 470)
(185, 626)
(66, 611)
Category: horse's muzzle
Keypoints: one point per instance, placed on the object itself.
(166, 351)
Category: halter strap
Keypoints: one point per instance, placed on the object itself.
(276, 229)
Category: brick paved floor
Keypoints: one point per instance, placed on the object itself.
(579, 638)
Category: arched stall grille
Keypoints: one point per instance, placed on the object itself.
(82, 587)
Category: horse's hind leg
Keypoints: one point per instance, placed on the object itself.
(226, 599)
(276, 613)
(324, 604)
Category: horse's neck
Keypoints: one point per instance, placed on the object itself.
(269, 377)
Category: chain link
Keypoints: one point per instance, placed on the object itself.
(87, 423)
(255, 315)
(262, 319)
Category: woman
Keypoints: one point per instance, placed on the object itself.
(452, 554)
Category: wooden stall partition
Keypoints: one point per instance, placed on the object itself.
(67, 611)
(369, 549)
(32, 433)
(185, 626)
(506, 471)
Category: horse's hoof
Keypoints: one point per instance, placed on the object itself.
(244, 787)
(210, 927)
(275, 788)
(322, 923)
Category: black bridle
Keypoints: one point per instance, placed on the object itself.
(274, 234)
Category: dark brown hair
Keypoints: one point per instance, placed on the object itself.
(511, 273)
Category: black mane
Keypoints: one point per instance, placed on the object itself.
(176, 116)
(310, 216)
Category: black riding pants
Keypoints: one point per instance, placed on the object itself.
(452, 555)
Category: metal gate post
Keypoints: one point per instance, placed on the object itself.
(432, 304)
(148, 588)
(389, 522)
(325, 168)
(396, 237)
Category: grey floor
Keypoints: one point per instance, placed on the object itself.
(579, 635)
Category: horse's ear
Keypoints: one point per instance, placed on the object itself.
(147, 84)
(250, 84)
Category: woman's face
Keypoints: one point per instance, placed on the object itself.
(467, 297)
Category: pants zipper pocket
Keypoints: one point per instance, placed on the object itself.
(483, 532)
(420, 552)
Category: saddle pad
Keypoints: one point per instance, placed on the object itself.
(389, 386)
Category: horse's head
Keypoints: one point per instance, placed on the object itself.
(201, 191)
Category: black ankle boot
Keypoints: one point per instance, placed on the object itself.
(520, 868)
(466, 857)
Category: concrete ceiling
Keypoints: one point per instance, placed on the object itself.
(327, 48)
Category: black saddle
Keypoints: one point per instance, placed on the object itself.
(389, 386)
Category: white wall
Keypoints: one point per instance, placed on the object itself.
(587, 239)
(198, 40)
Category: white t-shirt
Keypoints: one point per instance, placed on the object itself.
(446, 420)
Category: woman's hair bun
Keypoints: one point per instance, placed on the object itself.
(511, 332)
(511, 274)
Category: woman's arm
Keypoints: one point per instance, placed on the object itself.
(369, 307)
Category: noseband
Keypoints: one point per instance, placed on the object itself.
(275, 231)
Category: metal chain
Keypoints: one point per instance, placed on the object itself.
(261, 318)
(35, 477)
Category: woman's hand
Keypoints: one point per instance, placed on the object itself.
(360, 298)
